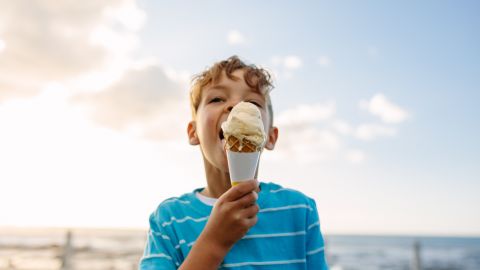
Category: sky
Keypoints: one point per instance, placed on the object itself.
(375, 101)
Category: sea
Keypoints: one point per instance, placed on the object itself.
(116, 249)
(352, 252)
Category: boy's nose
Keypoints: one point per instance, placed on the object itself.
(229, 108)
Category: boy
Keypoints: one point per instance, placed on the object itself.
(248, 226)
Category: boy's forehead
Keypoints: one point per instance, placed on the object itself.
(223, 87)
(224, 83)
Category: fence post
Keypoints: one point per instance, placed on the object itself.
(67, 252)
(416, 260)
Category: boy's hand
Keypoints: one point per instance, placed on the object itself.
(233, 215)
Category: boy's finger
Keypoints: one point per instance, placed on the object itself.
(251, 211)
(240, 190)
(247, 200)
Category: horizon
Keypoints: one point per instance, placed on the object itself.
(51, 229)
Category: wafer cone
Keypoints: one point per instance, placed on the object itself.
(244, 146)
(242, 156)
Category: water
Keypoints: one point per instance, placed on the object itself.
(348, 252)
(121, 249)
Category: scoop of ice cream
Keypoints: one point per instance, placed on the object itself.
(245, 122)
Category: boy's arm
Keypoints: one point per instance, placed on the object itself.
(233, 215)
(315, 243)
(204, 255)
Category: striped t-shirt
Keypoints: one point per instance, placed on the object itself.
(287, 234)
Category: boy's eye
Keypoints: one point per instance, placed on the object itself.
(216, 99)
(255, 103)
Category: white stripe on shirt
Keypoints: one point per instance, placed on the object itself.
(175, 200)
(285, 208)
(313, 225)
(159, 255)
(180, 243)
(280, 189)
(159, 234)
(315, 251)
(174, 219)
(264, 263)
(274, 235)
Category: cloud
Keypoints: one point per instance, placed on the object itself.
(355, 156)
(53, 41)
(285, 66)
(341, 127)
(388, 112)
(368, 132)
(292, 62)
(301, 139)
(324, 61)
(234, 37)
(307, 114)
(307, 144)
(2, 45)
(311, 133)
(146, 102)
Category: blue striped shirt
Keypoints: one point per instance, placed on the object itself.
(286, 236)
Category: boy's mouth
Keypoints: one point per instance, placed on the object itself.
(222, 138)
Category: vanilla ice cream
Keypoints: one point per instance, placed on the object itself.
(245, 124)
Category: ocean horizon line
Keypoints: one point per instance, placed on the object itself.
(59, 229)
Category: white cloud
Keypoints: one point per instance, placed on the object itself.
(116, 42)
(3, 45)
(181, 76)
(388, 112)
(145, 102)
(60, 41)
(341, 127)
(128, 14)
(307, 145)
(67, 156)
(292, 62)
(285, 66)
(324, 61)
(313, 133)
(355, 156)
(234, 37)
(368, 132)
(306, 114)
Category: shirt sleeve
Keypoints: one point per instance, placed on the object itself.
(315, 244)
(159, 253)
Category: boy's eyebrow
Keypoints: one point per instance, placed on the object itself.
(222, 87)
(219, 87)
(225, 87)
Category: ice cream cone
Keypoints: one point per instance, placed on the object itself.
(244, 140)
(236, 145)
(242, 166)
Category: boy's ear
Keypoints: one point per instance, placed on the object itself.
(192, 133)
(272, 138)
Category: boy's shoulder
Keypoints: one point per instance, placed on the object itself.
(277, 192)
(173, 206)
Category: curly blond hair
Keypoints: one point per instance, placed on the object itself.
(255, 77)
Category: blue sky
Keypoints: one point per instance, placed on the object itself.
(339, 61)
(423, 55)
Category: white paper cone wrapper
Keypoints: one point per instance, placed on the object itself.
(242, 166)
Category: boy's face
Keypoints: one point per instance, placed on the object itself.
(216, 102)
